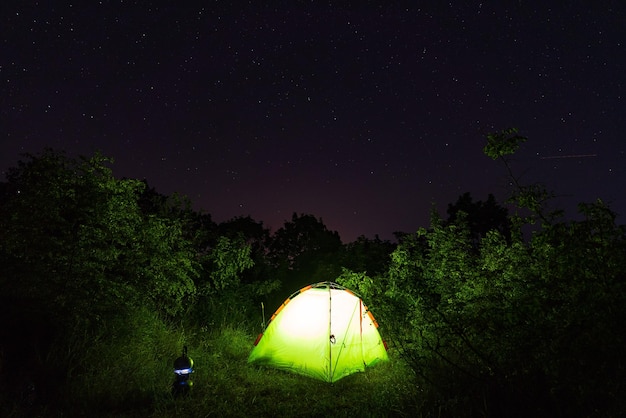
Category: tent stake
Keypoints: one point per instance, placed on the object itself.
(263, 313)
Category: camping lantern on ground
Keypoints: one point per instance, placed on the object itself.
(183, 367)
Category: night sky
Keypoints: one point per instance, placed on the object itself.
(363, 116)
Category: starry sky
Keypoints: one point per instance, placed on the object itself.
(364, 115)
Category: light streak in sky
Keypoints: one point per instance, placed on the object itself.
(555, 157)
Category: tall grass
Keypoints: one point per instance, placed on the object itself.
(126, 370)
(226, 386)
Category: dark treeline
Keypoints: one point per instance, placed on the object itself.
(493, 320)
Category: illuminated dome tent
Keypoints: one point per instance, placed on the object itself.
(322, 331)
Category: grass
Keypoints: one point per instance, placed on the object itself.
(226, 386)
(131, 375)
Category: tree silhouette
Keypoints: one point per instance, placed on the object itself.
(304, 251)
(481, 217)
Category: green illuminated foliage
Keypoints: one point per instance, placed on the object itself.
(492, 322)
(76, 243)
(257, 237)
(228, 259)
(536, 319)
(503, 143)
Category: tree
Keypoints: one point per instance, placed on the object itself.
(255, 235)
(76, 244)
(304, 251)
(368, 255)
(499, 325)
(531, 197)
(482, 217)
(79, 260)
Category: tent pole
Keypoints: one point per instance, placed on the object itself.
(361, 328)
(330, 337)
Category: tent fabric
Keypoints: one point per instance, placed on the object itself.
(322, 331)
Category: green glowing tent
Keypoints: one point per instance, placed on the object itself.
(322, 331)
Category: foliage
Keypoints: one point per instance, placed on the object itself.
(222, 297)
(78, 255)
(481, 217)
(129, 365)
(368, 255)
(257, 237)
(527, 197)
(75, 241)
(503, 143)
(493, 323)
(304, 251)
(105, 280)
(227, 259)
